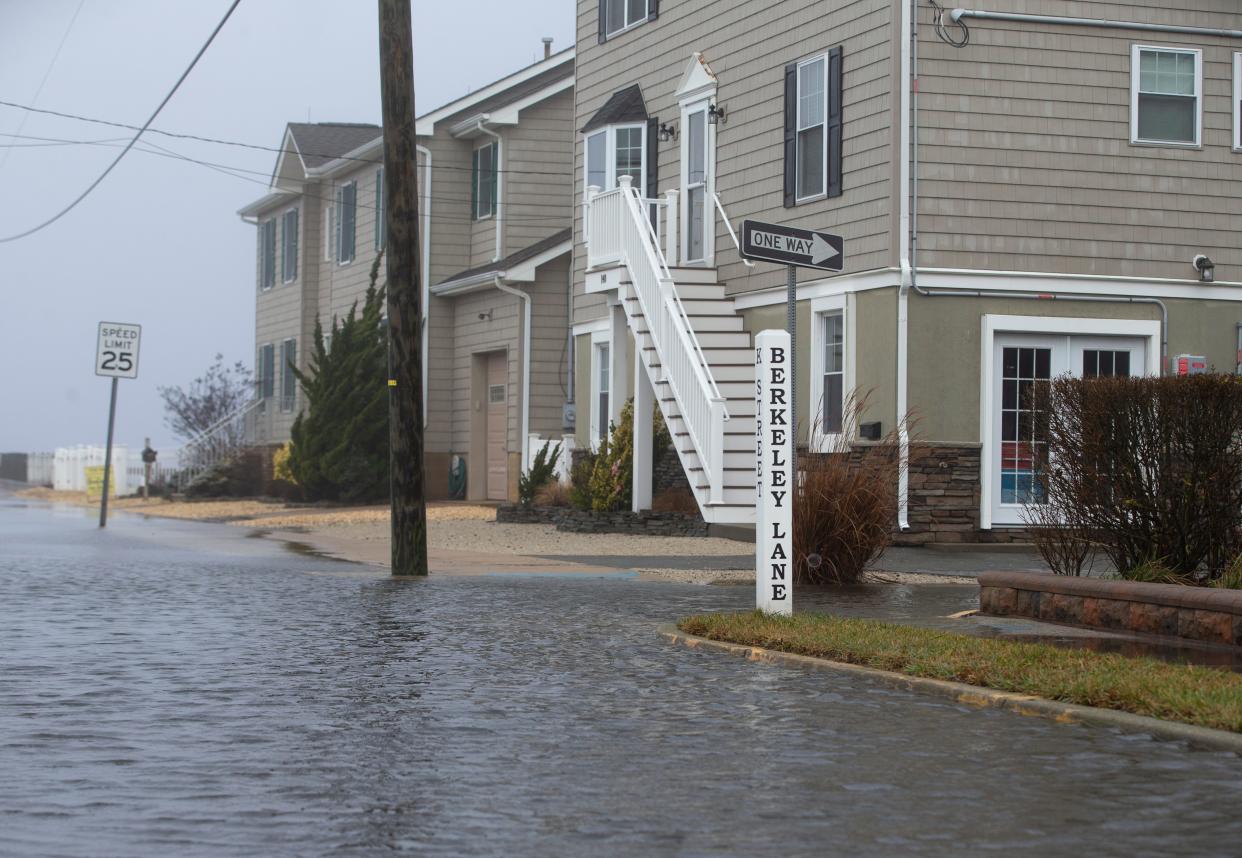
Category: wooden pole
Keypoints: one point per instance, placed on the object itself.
(405, 385)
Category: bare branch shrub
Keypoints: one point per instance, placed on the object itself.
(845, 502)
(1150, 467)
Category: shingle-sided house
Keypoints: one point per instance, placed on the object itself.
(495, 182)
(1023, 192)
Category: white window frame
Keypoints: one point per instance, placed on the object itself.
(845, 306)
(1135, 53)
(340, 204)
(798, 129)
(1067, 327)
(284, 241)
(600, 338)
(477, 176)
(610, 158)
(1237, 102)
(627, 24)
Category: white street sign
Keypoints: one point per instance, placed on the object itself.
(117, 352)
(774, 472)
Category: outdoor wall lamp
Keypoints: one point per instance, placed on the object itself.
(667, 132)
(715, 114)
(1205, 267)
(485, 317)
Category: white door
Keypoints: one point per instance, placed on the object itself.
(1023, 361)
(698, 164)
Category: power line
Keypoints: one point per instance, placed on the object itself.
(46, 74)
(234, 172)
(257, 146)
(131, 143)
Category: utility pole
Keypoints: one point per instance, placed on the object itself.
(405, 310)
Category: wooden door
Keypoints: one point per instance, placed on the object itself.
(497, 426)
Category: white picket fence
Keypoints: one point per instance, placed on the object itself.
(39, 468)
(69, 466)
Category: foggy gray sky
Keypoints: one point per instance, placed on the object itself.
(159, 242)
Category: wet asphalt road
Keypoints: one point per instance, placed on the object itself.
(172, 688)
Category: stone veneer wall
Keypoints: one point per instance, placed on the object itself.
(1195, 613)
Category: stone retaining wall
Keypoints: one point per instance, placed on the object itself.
(583, 521)
(1195, 613)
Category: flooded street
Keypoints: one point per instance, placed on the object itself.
(179, 689)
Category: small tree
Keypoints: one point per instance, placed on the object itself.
(339, 447)
(208, 399)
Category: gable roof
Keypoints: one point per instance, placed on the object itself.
(550, 245)
(625, 105)
(321, 142)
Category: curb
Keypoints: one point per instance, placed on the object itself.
(974, 695)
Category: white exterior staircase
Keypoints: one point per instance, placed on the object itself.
(691, 342)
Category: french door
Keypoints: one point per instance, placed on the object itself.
(1023, 362)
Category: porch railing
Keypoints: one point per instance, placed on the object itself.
(220, 441)
(619, 230)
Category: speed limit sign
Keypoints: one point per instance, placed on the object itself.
(117, 353)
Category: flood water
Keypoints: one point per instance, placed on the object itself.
(178, 689)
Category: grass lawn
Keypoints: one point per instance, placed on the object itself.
(1204, 696)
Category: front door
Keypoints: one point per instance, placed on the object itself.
(697, 183)
(1022, 363)
(497, 426)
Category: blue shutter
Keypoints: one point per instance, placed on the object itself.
(603, 20)
(653, 9)
(495, 175)
(474, 186)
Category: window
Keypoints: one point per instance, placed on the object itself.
(602, 422)
(834, 374)
(267, 366)
(617, 15)
(1165, 103)
(1105, 363)
(616, 151)
(381, 225)
(267, 254)
(346, 215)
(1022, 443)
(288, 381)
(483, 182)
(813, 128)
(1237, 102)
(289, 246)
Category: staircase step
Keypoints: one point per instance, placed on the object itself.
(706, 307)
(693, 274)
(700, 292)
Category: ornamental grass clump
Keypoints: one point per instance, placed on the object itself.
(542, 471)
(1147, 470)
(845, 502)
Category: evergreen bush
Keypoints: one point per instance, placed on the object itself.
(542, 471)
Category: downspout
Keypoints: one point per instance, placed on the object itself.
(499, 180)
(424, 230)
(909, 24)
(499, 284)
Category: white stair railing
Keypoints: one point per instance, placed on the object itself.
(619, 230)
(218, 442)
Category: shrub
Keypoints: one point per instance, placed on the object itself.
(844, 504)
(553, 493)
(1154, 572)
(612, 478)
(1149, 467)
(1067, 548)
(580, 480)
(679, 499)
(542, 471)
(280, 464)
(1231, 579)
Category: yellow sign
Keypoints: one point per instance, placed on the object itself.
(94, 483)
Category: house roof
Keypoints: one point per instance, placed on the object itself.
(625, 105)
(513, 260)
(319, 143)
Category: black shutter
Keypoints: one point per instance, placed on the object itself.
(653, 9)
(652, 167)
(474, 185)
(834, 122)
(603, 23)
(791, 135)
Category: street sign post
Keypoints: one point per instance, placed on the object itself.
(116, 356)
(774, 446)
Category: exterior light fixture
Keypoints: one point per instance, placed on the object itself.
(667, 132)
(1205, 267)
(715, 114)
(485, 316)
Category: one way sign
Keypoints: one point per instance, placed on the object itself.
(789, 245)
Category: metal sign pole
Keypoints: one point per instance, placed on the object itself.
(103, 506)
(791, 320)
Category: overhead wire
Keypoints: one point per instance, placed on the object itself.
(130, 145)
